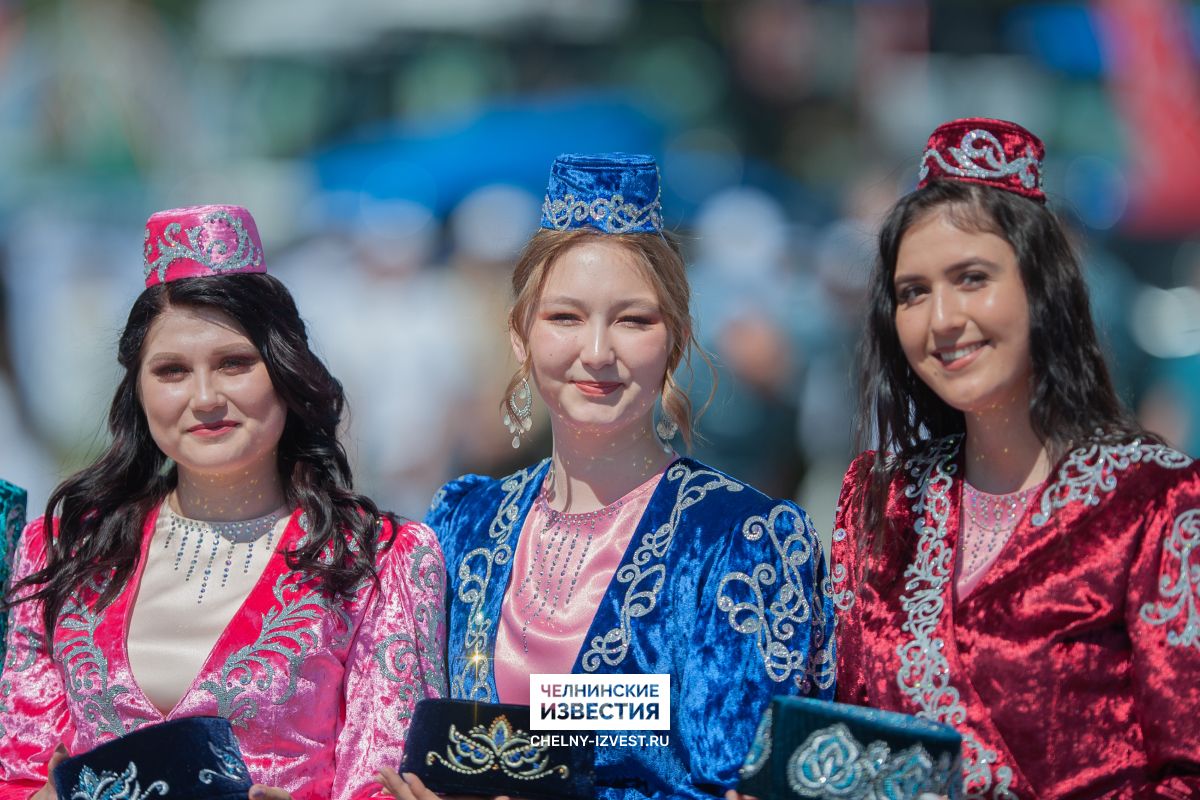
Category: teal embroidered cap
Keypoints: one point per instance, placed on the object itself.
(465, 747)
(193, 758)
(807, 748)
(610, 192)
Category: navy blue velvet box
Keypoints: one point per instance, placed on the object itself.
(486, 749)
(807, 748)
(195, 758)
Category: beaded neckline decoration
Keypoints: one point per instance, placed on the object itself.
(198, 539)
(558, 552)
(992, 152)
(994, 517)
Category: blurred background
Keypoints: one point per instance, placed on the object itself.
(394, 153)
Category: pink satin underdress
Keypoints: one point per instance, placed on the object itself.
(562, 568)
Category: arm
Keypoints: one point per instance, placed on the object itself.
(844, 574)
(34, 718)
(1163, 616)
(764, 627)
(397, 659)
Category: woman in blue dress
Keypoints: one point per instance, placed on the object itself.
(617, 556)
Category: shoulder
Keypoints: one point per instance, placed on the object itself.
(409, 552)
(471, 503)
(1095, 469)
(724, 503)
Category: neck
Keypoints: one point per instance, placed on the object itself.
(246, 494)
(591, 471)
(1003, 453)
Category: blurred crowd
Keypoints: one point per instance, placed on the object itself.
(393, 154)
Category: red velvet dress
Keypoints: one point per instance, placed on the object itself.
(1073, 669)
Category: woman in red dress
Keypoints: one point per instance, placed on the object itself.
(1014, 556)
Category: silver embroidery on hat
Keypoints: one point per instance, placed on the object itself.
(609, 214)
(980, 155)
(213, 254)
(833, 763)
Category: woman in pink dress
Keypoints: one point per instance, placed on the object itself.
(214, 560)
(1015, 557)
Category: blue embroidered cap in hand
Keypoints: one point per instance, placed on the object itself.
(610, 192)
(191, 758)
(807, 748)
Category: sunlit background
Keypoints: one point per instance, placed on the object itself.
(394, 153)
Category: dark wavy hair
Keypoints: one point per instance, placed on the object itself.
(1073, 400)
(102, 508)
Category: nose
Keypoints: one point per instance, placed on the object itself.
(598, 350)
(947, 316)
(206, 394)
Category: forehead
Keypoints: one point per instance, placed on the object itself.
(598, 269)
(192, 327)
(946, 237)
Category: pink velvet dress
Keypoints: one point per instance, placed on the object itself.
(561, 570)
(319, 691)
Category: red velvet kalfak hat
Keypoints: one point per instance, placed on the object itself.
(991, 152)
(201, 240)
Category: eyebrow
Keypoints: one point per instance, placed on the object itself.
(957, 266)
(225, 350)
(635, 302)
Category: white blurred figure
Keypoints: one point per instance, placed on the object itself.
(64, 285)
(393, 331)
(488, 230)
(745, 303)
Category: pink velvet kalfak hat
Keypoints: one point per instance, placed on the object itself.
(201, 240)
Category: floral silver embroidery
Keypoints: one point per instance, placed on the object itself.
(26, 653)
(924, 674)
(229, 765)
(775, 625)
(1091, 471)
(610, 214)
(86, 671)
(644, 579)
(832, 763)
(843, 598)
(498, 747)
(212, 254)
(400, 655)
(980, 155)
(289, 631)
(110, 786)
(1177, 596)
(473, 587)
(760, 748)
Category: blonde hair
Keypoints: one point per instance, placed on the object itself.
(661, 263)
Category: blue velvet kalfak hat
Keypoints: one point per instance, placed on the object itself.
(611, 192)
(194, 758)
(806, 748)
(486, 749)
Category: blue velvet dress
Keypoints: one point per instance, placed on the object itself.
(721, 587)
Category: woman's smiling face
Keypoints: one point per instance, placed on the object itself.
(206, 393)
(962, 315)
(598, 343)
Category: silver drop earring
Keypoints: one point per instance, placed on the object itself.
(517, 415)
(666, 430)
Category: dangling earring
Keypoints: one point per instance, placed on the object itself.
(517, 415)
(666, 430)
